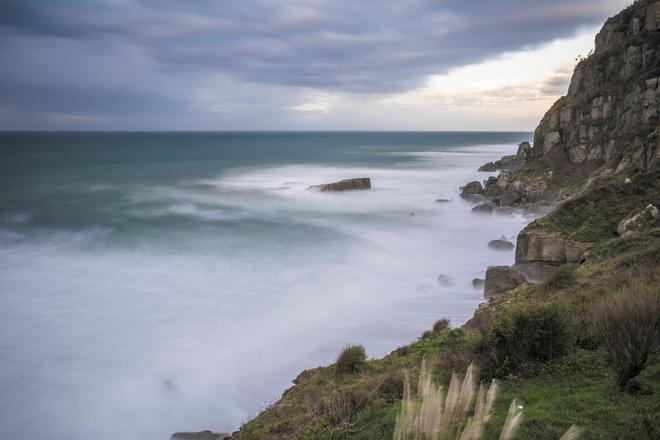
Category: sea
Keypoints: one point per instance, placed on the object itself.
(160, 282)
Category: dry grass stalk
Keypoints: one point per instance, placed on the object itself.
(513, 419)
(436, 415)
(573, 433)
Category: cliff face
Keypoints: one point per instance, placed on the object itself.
(610, 114)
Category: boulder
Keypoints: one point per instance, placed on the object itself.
(488, 167)
(472, 190)
(490, 188)
(484, 208)
(510, 198)
(501, 245)
(202, 435)
(537, 246)
(345, 185)
(506, 163)
(445, 280)
(639, 221)
(500, 279)
(478, 283)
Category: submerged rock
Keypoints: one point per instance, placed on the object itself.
(500, 279)
(501, 245)
(443, 200)
(445, 280)
(639, 221)
(202, 435)
(345, 185)
(485, 208)
(478, 283)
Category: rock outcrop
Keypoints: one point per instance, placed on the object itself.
(537, 246)
(500, 279)
(640, 221)
(610, 115)
(345, 185)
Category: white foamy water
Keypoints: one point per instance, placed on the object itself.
(198, 301)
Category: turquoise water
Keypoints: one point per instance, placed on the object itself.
(155, 282)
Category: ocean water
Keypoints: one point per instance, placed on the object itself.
(161, 282)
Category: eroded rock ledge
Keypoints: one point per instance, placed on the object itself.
(359, 183)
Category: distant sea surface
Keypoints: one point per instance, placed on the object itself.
(161, 282)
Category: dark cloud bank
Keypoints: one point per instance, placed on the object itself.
(105, 60)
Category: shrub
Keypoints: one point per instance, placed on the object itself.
(441, 326)
(344, 405)
(351, 359)
(391, 386)
(628, 325)
(561, 278)
(523, 335)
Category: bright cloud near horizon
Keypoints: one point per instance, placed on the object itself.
(289, 65)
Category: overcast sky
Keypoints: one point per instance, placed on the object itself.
(289, 65)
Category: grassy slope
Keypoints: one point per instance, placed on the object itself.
(576, 387)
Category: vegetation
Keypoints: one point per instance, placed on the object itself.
(595, 214)
(628, 323)
(522, 336)
(351, 359)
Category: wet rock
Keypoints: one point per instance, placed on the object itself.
(202, 435)
(506, 163)
(484, 208)
(345, 185)
(472, 191)
(500, 279)
(478, 283)
(501, 245)
(639, 221)
(490, 188)
(443, 200)
(536, 246)
(510, 198)
(488, 167)
(445, 280)
(504, 210)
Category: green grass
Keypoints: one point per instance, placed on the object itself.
(595, 214)
(579, 389)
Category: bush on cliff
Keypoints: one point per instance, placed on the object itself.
(628, 324)
(521, 336)
(350, 360)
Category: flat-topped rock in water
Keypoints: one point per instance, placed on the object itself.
(359, 183)
(501, 245)
(202, 435)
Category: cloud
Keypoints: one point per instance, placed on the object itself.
(139, 55)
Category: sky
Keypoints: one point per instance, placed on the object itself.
(289, 65)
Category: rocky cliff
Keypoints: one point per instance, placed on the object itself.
(607, 124)
(610, 115)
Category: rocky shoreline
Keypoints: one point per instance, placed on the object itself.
(590, 176)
